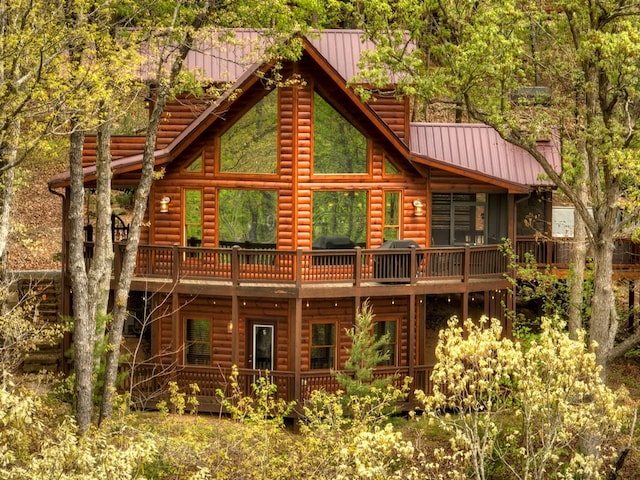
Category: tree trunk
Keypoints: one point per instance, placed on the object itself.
(83, 316)
(121, 296)
(604, 318)
(575, 280)
(8, 157)
(101, 265)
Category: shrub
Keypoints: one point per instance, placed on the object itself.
(521, 412)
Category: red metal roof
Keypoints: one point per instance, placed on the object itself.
(479, 148)
(222, 56)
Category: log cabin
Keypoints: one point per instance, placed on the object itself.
(284, 205)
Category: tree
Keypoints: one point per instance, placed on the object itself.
(366, 353)
(473, 58)
(30, 49)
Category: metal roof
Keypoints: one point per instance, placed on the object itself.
(225, 55)
(479, 148)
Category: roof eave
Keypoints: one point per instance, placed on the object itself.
(511, 187)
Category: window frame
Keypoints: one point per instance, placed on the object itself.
(186, 224)
(393, 358)
(219, 140)
(332, 348)
(385, 224)
(367, 141)
(188, 342)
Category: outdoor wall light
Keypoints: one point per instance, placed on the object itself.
(418, 208)
(164, 204)
(230, 327)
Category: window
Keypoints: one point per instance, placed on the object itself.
(195, 166)
(468, 218)
(198, 342)
(391, 216)
(338, 147)
(251, 144)
(390, 168)
(193, 217)
(341, 213)
(247, 216)
(323, 346)
(388, 328)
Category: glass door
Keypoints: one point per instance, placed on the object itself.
(262, 352)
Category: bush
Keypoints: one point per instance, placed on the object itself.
(522, 413)
(37, 442)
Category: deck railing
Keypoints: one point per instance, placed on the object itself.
(353, 266)
(557, 251)
(148, 382)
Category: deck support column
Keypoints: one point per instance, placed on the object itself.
(235, 334)
(465, 307)
(175, 331)
(297, 350)
(411, 351)
(632, 305)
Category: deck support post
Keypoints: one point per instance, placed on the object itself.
(297, 351)
(632, 305)
(465, 306)
(235, 334)
(175, 330)
(411, 350)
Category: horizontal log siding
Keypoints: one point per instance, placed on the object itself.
(166, 228)
(218, 310)
(177, 116)
(304, 151)
(286, 201)
(394, 111)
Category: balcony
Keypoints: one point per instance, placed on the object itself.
(354, 267)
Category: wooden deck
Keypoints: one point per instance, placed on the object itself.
(556, 253)
(294, 270)
(432, 269)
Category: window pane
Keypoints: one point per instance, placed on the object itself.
(195, 166)
(247, 216)
(198, 330)
(390, 168)
(388, 328)
(391, 216)
(250, 145)
(340, 213)
(338, 147)
(198, 342)
(193, 217)
(323, 345)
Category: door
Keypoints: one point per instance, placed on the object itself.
(262, 351)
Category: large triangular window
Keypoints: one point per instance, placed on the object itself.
(251, 144)
(338, 147)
